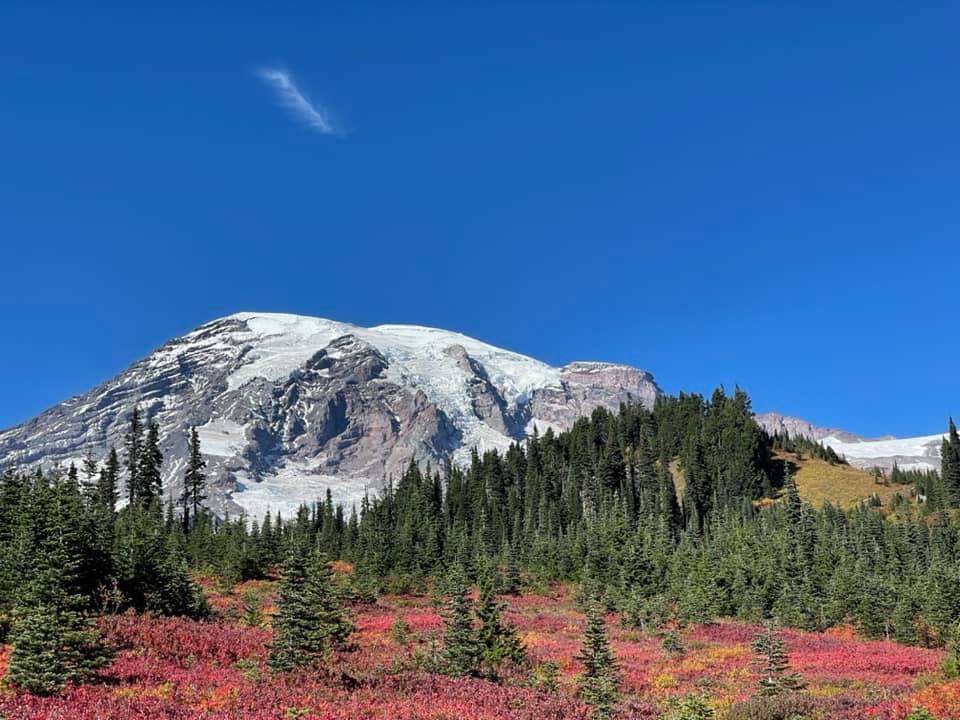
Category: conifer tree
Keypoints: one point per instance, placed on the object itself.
(775, 677)
(324, 602)
(37, 664)
(461, 654)
(699, 485)
(904, 618)
(90, 470)
(496, 639)
(292, 623)
(791, 495)
(194, 481)
(598, 684)
(251, 616)
(667, 495)
(54, 642)
(174, 593)
(310, 620)
(150, 484)
(133, 445)
(107, 494)
(510, 577)
(73, 478)
(950, 463)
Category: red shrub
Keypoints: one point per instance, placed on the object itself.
(173, 669)
(183, 640)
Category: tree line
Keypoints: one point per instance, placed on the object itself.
(660, 514)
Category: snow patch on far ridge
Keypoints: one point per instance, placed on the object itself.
(924, 446)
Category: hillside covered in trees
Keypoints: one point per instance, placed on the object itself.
(679, 515)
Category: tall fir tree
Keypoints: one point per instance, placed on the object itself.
(667, 495)
(133, 446)
(174, 593)
(698, 493)
(149, 478)
(91, 469)
(194, 480)
(950, 463)
(324, 600)
(107, 483)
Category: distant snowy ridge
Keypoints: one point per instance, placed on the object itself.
(920, 453)
(914, 453)
(288, 406)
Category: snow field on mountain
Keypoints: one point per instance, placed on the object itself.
(923, 451)
(296, 483)
(222, 438)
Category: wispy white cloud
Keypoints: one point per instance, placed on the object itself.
(291, 97)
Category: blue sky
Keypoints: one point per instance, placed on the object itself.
(716, 192)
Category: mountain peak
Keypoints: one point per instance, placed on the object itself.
(288, 406)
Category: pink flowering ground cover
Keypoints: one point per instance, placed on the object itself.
(176, 669)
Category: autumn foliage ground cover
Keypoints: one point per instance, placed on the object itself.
(176, 668)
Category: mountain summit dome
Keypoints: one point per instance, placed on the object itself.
(288, 406)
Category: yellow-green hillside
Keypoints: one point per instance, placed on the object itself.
(818, 482)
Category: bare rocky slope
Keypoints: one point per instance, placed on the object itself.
(288, 406)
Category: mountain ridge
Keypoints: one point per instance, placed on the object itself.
(911, 453)
(288, 406)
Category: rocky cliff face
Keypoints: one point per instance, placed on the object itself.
(289, 406)
(776, 423)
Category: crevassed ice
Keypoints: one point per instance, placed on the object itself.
(416, 356)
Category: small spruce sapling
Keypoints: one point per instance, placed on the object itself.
(598, 684)
(775, 677)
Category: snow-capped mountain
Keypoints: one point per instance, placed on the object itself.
(921, 453)
(287, 406)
